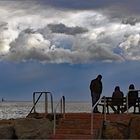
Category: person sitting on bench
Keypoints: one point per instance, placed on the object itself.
(132, 97)
(117, 99)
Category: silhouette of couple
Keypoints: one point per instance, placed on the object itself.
(117, 99)
(96, 88)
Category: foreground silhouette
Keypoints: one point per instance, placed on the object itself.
(96, 90)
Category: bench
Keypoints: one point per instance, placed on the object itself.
(117, 103)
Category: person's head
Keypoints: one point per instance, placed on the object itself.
(117, 88)
(99, 77)
(131, 86)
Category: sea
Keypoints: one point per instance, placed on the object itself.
(20, 109)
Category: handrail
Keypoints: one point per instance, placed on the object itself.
(100, 131)
(62, 111)
(93, 110)
(104, 108)
(46, 101)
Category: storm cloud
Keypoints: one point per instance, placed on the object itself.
(131, 20)
(66, 36)
(61, 28)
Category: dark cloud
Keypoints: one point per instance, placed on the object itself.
(61, 28)
(56, 35)
(3, 25)
(29, 31)
(131, 20)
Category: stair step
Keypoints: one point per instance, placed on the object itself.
(78, 126)
(81, 120)
(73, 131)
(82, 115)
(77, 114)
(71, 136)
(71, 122)
(87, 126)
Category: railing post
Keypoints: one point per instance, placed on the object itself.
(54, 122)
(51, 101)
(92, 123)
(61, 103)
(92, 114)
(46, 103)
(34, 102)
(127, 102)
(104, 108)
(51, 97)
(64, 106)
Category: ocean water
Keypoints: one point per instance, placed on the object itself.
(9, 110)
(16, 109)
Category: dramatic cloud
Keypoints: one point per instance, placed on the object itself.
(131, 47)
(131, 20)
(61, 28)
(28, 45)
(38, 32)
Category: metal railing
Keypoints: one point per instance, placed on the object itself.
(92, 111)
(46, 101)
(104, 106)
(61, 103)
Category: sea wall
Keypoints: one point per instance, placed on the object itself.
(31, 128)
(122, 130)
(26, 128)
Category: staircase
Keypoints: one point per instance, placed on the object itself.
(78, 126)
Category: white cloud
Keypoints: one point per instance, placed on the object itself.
(25, 35)
(131, 47)
(26, 44)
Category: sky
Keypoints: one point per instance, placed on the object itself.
(61, 45)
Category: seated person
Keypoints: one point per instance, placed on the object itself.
(117, 99)
(132, 96)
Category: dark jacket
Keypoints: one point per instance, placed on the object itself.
(96, 86)
(132, 96)
(117, 98)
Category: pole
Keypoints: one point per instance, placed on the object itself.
(46, 103)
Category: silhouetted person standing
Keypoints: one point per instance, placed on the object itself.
(96, 90)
